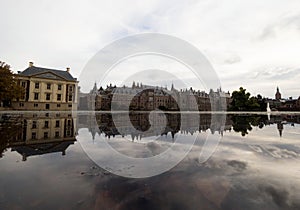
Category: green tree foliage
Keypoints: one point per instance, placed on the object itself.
(244, 124)
(262, 103)
(242, 101)
(9, 88)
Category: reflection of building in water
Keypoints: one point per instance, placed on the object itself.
(88, 120)
(142, 125)
(44, 133)
(280, 128)
(145, 97)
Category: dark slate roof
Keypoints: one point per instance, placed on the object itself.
(41, 149)
(31, 71)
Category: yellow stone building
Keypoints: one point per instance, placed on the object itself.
(47, 89)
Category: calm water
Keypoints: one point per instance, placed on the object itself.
(45, 161)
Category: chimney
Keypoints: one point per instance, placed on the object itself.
(30, 64)
(68, 69)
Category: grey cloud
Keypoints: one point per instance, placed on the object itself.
(279, 196)
(237, 165)
(233, 60)
(285, 23)
(155, 148)
(277, 73)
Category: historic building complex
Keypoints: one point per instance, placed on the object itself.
(146, 98)
(46, 89)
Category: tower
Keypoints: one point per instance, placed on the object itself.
(278, 94)
(172, 87)
(280, 128)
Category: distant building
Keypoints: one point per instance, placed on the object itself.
(277, 94)
(46, 89)
(281, 104)
(86, 101)
(145, 97)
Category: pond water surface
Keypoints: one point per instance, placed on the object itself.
(46, 161)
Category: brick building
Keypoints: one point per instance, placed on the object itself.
(146, 98)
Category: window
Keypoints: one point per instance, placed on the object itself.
(70, 97)
(68, 133)
(23, 84)
(48, 86)
(45, 135)
(56, 134)
(46, 124)
(58, 97)
(69, 122)
(37, 85)
(70, 105)
(36, 96)
(47, 106)
(33, 124)
(57, 123)
(58, 105)
(59, 87)
(47, 96)
(70, 88)
(35, 105)
(33, 135)
(21, 104)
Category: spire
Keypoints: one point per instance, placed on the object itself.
(94, 90)
(172, 87)
(278, 94)
(133, 84)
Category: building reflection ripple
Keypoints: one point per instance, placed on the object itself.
(40, 133)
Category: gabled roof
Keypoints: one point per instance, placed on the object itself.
(40, 149)
(33, 70)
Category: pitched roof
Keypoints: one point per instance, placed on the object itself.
(31, 71)
(40, 149)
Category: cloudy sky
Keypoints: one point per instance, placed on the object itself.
(254, 44)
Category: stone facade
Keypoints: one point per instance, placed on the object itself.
(46, 89)
(147, 98)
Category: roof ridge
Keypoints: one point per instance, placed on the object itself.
(34, 70)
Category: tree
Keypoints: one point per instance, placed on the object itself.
(243, 124)
(9, 88)
(262, 102)
(241, 101)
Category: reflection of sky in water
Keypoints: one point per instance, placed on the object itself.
(259, 171)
